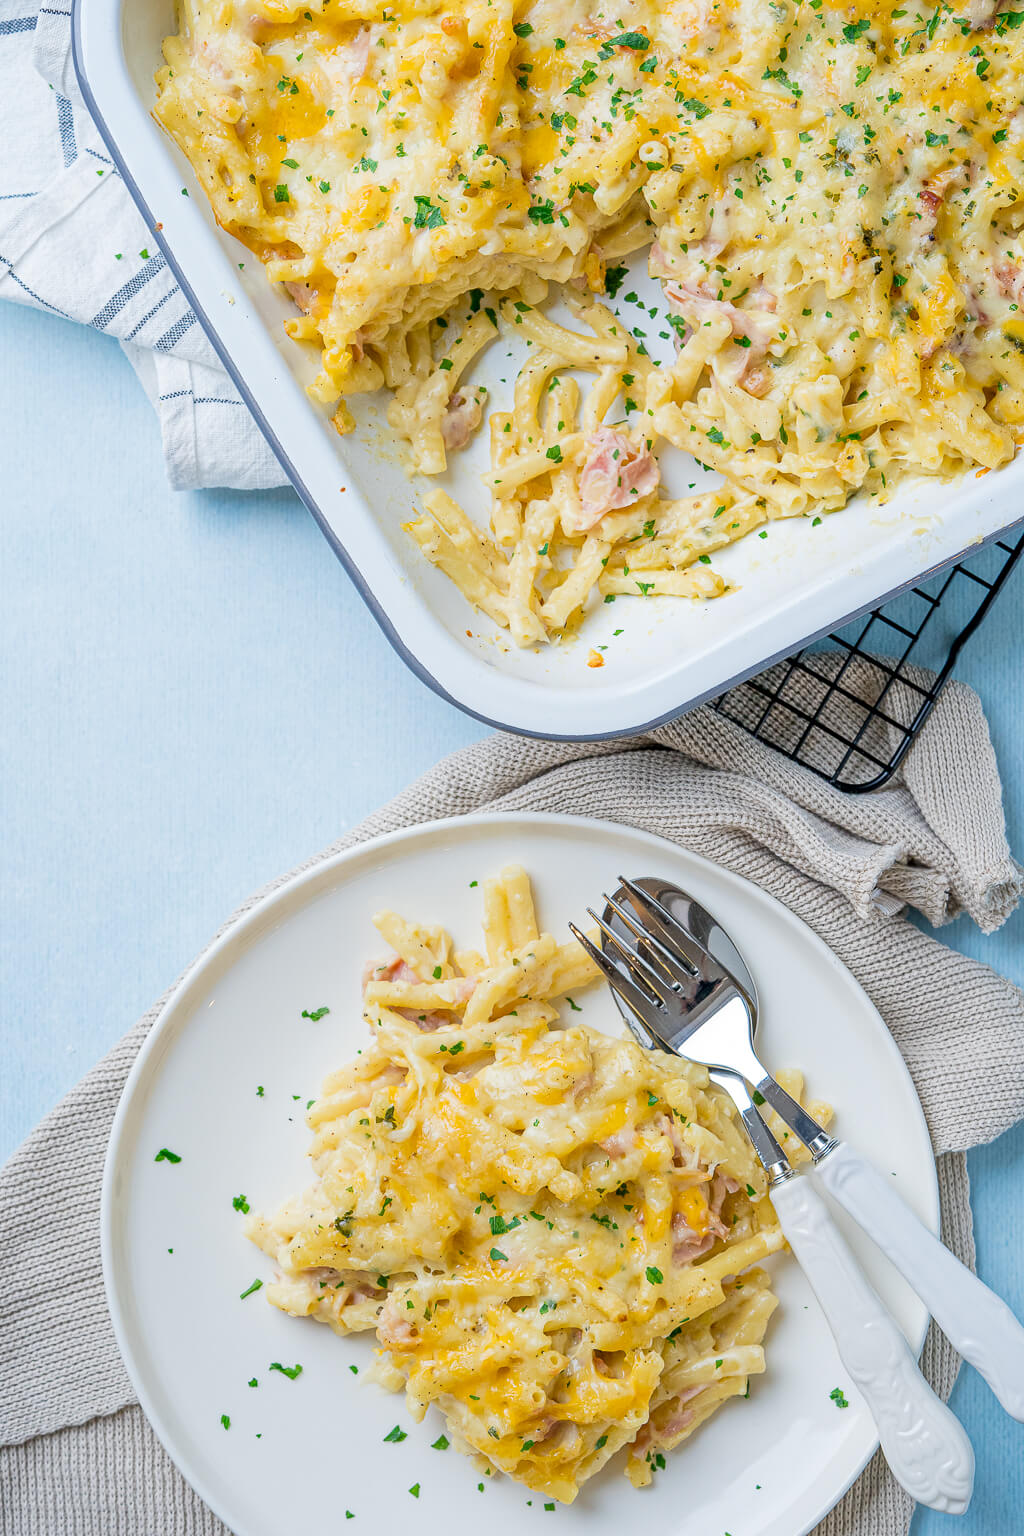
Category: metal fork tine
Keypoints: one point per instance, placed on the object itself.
(632, 995)
(639, 967)
(652, 912)
(678, 966)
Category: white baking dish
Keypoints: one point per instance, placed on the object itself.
(797, 583)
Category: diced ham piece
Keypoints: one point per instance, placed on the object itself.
(698, 252)
(678, 1422)
(615, 474)
(684, 1156)
(462, 416)
(761, 297)
(397, 970)
(304, 295)
(698, 306)
(348, 64)
(1010, 278)
(756, 326)
(389, 970)
(933, 194)
(437, 1018)
(358, 1292)
(618, 1144)
(394, 1326)
(688, 1245)
(721, 1185)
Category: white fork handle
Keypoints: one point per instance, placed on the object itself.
(974, 1319)
(925, 1445)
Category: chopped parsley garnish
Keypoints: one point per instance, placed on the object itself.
(838, 1398)
(395, 1436)
(257, 1285)
(497, 1257)
(316, 1014)
(614, 278)
(428, 216)
(634, 40)
(225, 1421)
(654, 1274)
(440, 1444)
(165, 1155)
(780, 76)
(291, 1371)
(499, 1226)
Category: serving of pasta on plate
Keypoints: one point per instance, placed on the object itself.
(830, 198)
(553, 1232)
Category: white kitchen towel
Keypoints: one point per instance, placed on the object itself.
(77, 1457)
(73, 243)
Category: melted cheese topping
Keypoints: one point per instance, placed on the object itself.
(544, 1225)
(833, 199)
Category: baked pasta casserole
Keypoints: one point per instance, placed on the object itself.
(552, 1231)
(832, 197)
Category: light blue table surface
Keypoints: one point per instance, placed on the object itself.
(194, 699)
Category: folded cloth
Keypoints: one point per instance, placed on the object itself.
(76, 1454)
(73, 243)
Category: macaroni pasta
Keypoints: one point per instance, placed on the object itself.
(832, 196)
(552, 1231)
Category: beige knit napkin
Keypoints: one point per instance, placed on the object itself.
(77, 1457)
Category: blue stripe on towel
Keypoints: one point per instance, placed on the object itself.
(66, 125)
(179, 394)
(171, 338)
(114, 305)
(17, 24)
(173, 294)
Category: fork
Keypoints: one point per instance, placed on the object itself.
(717, 1030)
(924, 1444)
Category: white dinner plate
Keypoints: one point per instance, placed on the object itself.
(223, 1081)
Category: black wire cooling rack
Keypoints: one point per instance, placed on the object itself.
(849, 707)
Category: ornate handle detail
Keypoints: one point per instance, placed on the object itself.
(924, 1444)
(974, 1319)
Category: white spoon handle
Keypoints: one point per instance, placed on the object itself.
(924, 1444)
(974, 1319)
